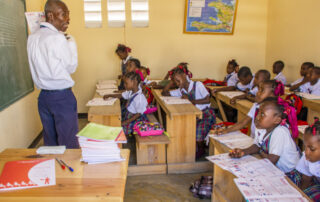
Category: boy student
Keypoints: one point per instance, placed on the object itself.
(277, 68)
(313, 86)
(305, 72)
(53, 58)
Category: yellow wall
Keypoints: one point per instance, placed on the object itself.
(20, 122)
(293, 34)
(162, 45)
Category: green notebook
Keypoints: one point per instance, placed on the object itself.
(101, 132)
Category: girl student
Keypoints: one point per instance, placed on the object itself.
(146, 72)
(273, 139)
(307, 172)
(136, 103)
(269, 88)
(305, 72)
(199, 96)
(123, 52)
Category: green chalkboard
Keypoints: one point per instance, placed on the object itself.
(15, 77)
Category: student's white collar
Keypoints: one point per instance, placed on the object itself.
(318, 83)
(189, 88)
(126, 60)
(49, 26)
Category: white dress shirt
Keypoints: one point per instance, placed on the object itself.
(138, 104)
(232, 79)
(281, 77)
(311, 89)
(52, 58)
(201, 92)
(252, 114)
(308, 168)
(123, 62)
(249, 86)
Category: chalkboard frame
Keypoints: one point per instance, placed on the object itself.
(27, 91)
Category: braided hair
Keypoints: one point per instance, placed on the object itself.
(123, 48)
(181, 68)
(135, 61)
(276, 86)
(314, 129)
(233, 62)
(134, 76)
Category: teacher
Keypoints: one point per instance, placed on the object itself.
(53, 57)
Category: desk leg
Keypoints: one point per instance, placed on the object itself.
(223, 114)
(159, 114)
(182, 132)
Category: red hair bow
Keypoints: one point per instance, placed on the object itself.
(148, 71)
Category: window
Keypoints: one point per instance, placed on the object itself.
(92, 13)
(140, 13)
(116, 13)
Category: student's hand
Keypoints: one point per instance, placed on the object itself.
(236, 153)
(233, 101)
(220, 131)
(184, 97)
(214, 92)
(106, 97)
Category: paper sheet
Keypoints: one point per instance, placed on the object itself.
(309, 96)
(302, 128)
(101, 102)
(197, 3)
(268, 187)
(297, 199)
(34, 19)
(195, 12)
(255, 169)
(227, 163)
(103, 92)
(107, 86)
(103, 82)
(234, 140)
(51, 149)
(231, 94)
(174, 100)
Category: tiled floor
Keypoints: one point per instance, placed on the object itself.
(156, 188)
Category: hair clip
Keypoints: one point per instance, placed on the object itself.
(283, 122)
(314, 131)
(148, 71)
(128, 49)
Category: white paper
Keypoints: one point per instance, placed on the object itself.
(103, 92)
(256, 169)
(302, 128)
(174, 100)
(227, 163)
(197, 3)
(267, 187)
(309, 96)
(101, 102)
(195, 12)
(234, 140)
(296, 199)
(107, 86)
(34, 19)
(231, 94)
(51, 149)
(102, 82)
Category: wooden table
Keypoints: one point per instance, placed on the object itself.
(313, 109)
(181, 127)
(106, 115)
(224, 188)
(87, 183)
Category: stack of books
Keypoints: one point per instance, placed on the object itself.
(100, 143)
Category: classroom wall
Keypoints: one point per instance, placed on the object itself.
(162, 45)
(293, 34)
(20, 122)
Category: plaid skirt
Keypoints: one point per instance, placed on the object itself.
(128, 128)
(204, 124)
(312, 192)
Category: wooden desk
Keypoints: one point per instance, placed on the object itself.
(106, 115)
(87, 183)
(313, 109)
(181, 127)
(224, 188)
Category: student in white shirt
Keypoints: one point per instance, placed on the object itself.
(261, 76)
(306, 67)
(307, 173)
(199, 96)
(266, 89)
(123, 52)
(136, 102)
(313, 86)
(272, 136)
(277, 69)
(53, 58)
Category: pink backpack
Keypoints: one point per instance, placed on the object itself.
(150, 109)
(148, 129)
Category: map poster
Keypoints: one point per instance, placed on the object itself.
(210, 16)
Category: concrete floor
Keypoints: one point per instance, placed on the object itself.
(157, 188)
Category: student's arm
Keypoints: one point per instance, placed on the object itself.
(238, 153)
(205, 100)
(306, 182)
(113, 96)
(135, 116)
(167, 76)
(166, 90)
(215, 91)
(273, 158)
(239, 125)
(251, 98)
(295, 87)
(239, 97)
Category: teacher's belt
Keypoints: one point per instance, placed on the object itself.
(58, 90)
